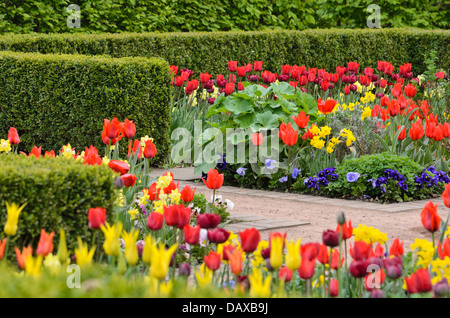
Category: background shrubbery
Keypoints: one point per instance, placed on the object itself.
(58, 193)
(53, 100)
(209, 52)
(50, 16)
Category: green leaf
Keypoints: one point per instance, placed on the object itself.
(267, 119)
(244, 121)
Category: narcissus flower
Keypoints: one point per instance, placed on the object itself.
(13, 210)
(214, 180)
(96, 217)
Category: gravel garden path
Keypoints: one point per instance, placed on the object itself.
(306, 217)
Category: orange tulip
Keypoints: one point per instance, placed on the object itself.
(212, 261)
(214, 180)
(301, 120)
(22, 257)
(45, 244)
(3, 247)
(187, 194)
(288, 134)
(446, 195)
(235, 259)
(396, 248)
(444, 249)
(347, 230)
(416, 130)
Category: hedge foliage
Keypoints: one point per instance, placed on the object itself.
(50, 16)
(53, 100)
(58, 193)
(209, 52)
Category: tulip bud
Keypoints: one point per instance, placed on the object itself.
(140, 247)
(265, 253)
(118, 183)
(330, 238)
(268, 266)
(377, 293)
(441, 288)
(184, 270)
(341, 218)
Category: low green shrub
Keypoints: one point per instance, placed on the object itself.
(58, 193)
(53, 100)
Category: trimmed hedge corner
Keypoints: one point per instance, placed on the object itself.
(53, 100)
(210, 51)
(58, 193)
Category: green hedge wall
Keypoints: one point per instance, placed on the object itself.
(209, 52)
(53, 100)
(58, 192)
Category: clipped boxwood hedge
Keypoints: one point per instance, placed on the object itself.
(210, 51)
(53, 100)
(58, 192)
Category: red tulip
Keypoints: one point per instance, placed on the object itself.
(440, 75)
(49, 154)
(3, 247)
(347, 230)
(135, 148)
(208, 220)
(36, 152)
(402, 135)
(187, 194)
(13, 136)
(444, 249)
(214, 180)
(301, 120)
(248, 67)
(446, 195)
(327, 106)
(418, 282)
(204, 77)
(212, 261)
(155, 221)
(393, 108)
(285, 274)
(128, 179)
(288, 134)
(241, 86)
(45, 244)
(232, 66)
(379, 277)
(258, 66)
(112, 129)
(191, 234)
(191, 86)
(416, 130)
(396, 248)
(218, 235)
(257, 138)
(229, 88)
(361, 251)
(249, 239)
(346, 89)
(310, 251)
(353, 67)
(90, 157)
(119, 166)
(397, 90)
(96, 217)
(129, 128)
(358, 269)
(430, 218)
(307, 268)
(241, 71)
(177, 215)
(410, 90)
(336, 261)
(149, 149)
(179, 81)
(334, 287)
(323, 254)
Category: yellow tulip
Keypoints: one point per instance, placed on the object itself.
(276, 252)
(33, 265)
(13, 211)
(258, 287)
(131, 251)
(147, 251)
(83, 254)
(112, 235)
(160, 260)
(204, 280)
(293, 258)
(63, 255)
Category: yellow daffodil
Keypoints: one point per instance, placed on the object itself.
(317, 142)
(67, 152)
(13, 210)
(131, 251)
(112, 235)
(369, 234)
(441, 267)
(133, 212)
(175, 196)
(164, 181)
(258, 260)
(5, 146)
(319, 282)
(324, 131)
(366, 113)
(158, 206)
(83, 254)
(258, 286)
(52, 263)
(293, 258)
(424, 251)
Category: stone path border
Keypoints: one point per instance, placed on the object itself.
(186, 176)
